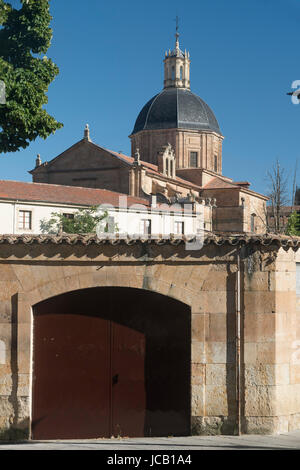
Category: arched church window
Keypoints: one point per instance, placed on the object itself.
(167, 166)
(173, 73)
(181, 73)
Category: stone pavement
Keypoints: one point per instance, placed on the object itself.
(287, 441)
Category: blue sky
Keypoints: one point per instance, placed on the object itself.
(243, 61)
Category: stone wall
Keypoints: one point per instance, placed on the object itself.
(271, 342)
(203, 279)
(85, 165)
(206, 144)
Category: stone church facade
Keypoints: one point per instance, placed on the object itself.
(176, 155)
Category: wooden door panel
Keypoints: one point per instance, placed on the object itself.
(71, 386)
(110, 361)
(128, 389)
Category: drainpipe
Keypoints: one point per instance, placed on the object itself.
(14, 216)
(238, 340)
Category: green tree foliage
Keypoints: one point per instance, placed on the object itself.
(80, 222)
(293, 225)
(25, 35)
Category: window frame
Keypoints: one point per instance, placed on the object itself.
(193, 154)
(23, 212)
(143, 226)
(178, 223)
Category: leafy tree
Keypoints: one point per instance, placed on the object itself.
(80, 222)
(25, 35)
(293, 225)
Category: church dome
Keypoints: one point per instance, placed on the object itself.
(176, 108)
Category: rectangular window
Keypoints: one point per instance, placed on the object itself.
(24, 221)
(252, 223)
(216, 163)
(110, 226)
(178, 228)
(146, 227)
(69, 216)
(194, 159)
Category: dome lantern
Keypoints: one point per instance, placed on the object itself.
(177, 66)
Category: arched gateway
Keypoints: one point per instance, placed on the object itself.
(111, 361)
(133, 337)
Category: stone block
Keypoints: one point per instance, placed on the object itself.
(263, 425)
(86, 280)
(295, 373)
(260, 400)
(285, 281)
(7, 273)
(259, 302)
(8, 289)
(216, 374)
(213, 425)
(72, 283)
(198, 352)
(52, 289)
(217, 352)
(286, 399)
(285, 266)
(5, 311)
(221, 327)
(294, 422)
(257, 281)
(284, 351)
(5, 384)
(217, 281)
(285, 256)
(264, 353)
(6, 407)
(259, 327)
(266, 374)
(199, 325)
(24, 312)
(216, 403)
(198, 402)
(23, 385)
(285, 302)
(198, 374)
(23, 273)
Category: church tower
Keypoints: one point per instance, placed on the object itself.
(177, 67)
(181, 118)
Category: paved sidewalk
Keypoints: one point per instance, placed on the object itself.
(246, 442)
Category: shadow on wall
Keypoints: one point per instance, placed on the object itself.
(18, 429)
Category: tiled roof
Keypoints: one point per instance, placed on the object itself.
(153, 169)
(60, 194)
(210, 238)
(219, 183)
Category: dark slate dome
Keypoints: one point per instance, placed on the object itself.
(176, 108)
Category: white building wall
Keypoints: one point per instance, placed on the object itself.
(127, 221)
(6, 218)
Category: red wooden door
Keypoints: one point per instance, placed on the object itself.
(109, 361)
(71, 378)
(128, 381)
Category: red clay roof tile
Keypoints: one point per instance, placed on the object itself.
(60, 194)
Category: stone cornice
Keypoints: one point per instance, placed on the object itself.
(91, 239)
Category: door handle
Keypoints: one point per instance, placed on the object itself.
(115, 379)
